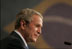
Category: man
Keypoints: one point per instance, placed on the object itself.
(27, 29)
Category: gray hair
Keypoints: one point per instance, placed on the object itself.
(26, 15)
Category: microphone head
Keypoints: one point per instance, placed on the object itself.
(67, 43)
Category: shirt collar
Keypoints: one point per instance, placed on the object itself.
(21, 37)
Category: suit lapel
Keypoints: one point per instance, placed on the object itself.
(17, 36)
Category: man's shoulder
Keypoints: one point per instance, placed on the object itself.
(12, 37)
(10, 41)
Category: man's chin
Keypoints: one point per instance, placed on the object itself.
(34, 40)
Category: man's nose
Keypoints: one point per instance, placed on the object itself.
(39, 31)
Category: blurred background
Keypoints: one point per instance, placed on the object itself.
(57, 27)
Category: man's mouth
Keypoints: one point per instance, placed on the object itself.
(36, 35)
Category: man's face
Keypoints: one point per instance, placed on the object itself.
(33, 30)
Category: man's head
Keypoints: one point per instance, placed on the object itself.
(29, 23)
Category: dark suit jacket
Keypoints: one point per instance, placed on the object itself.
(13, 41)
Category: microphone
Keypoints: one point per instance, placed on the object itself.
(67, 43)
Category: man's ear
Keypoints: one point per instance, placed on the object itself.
(23, 24)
